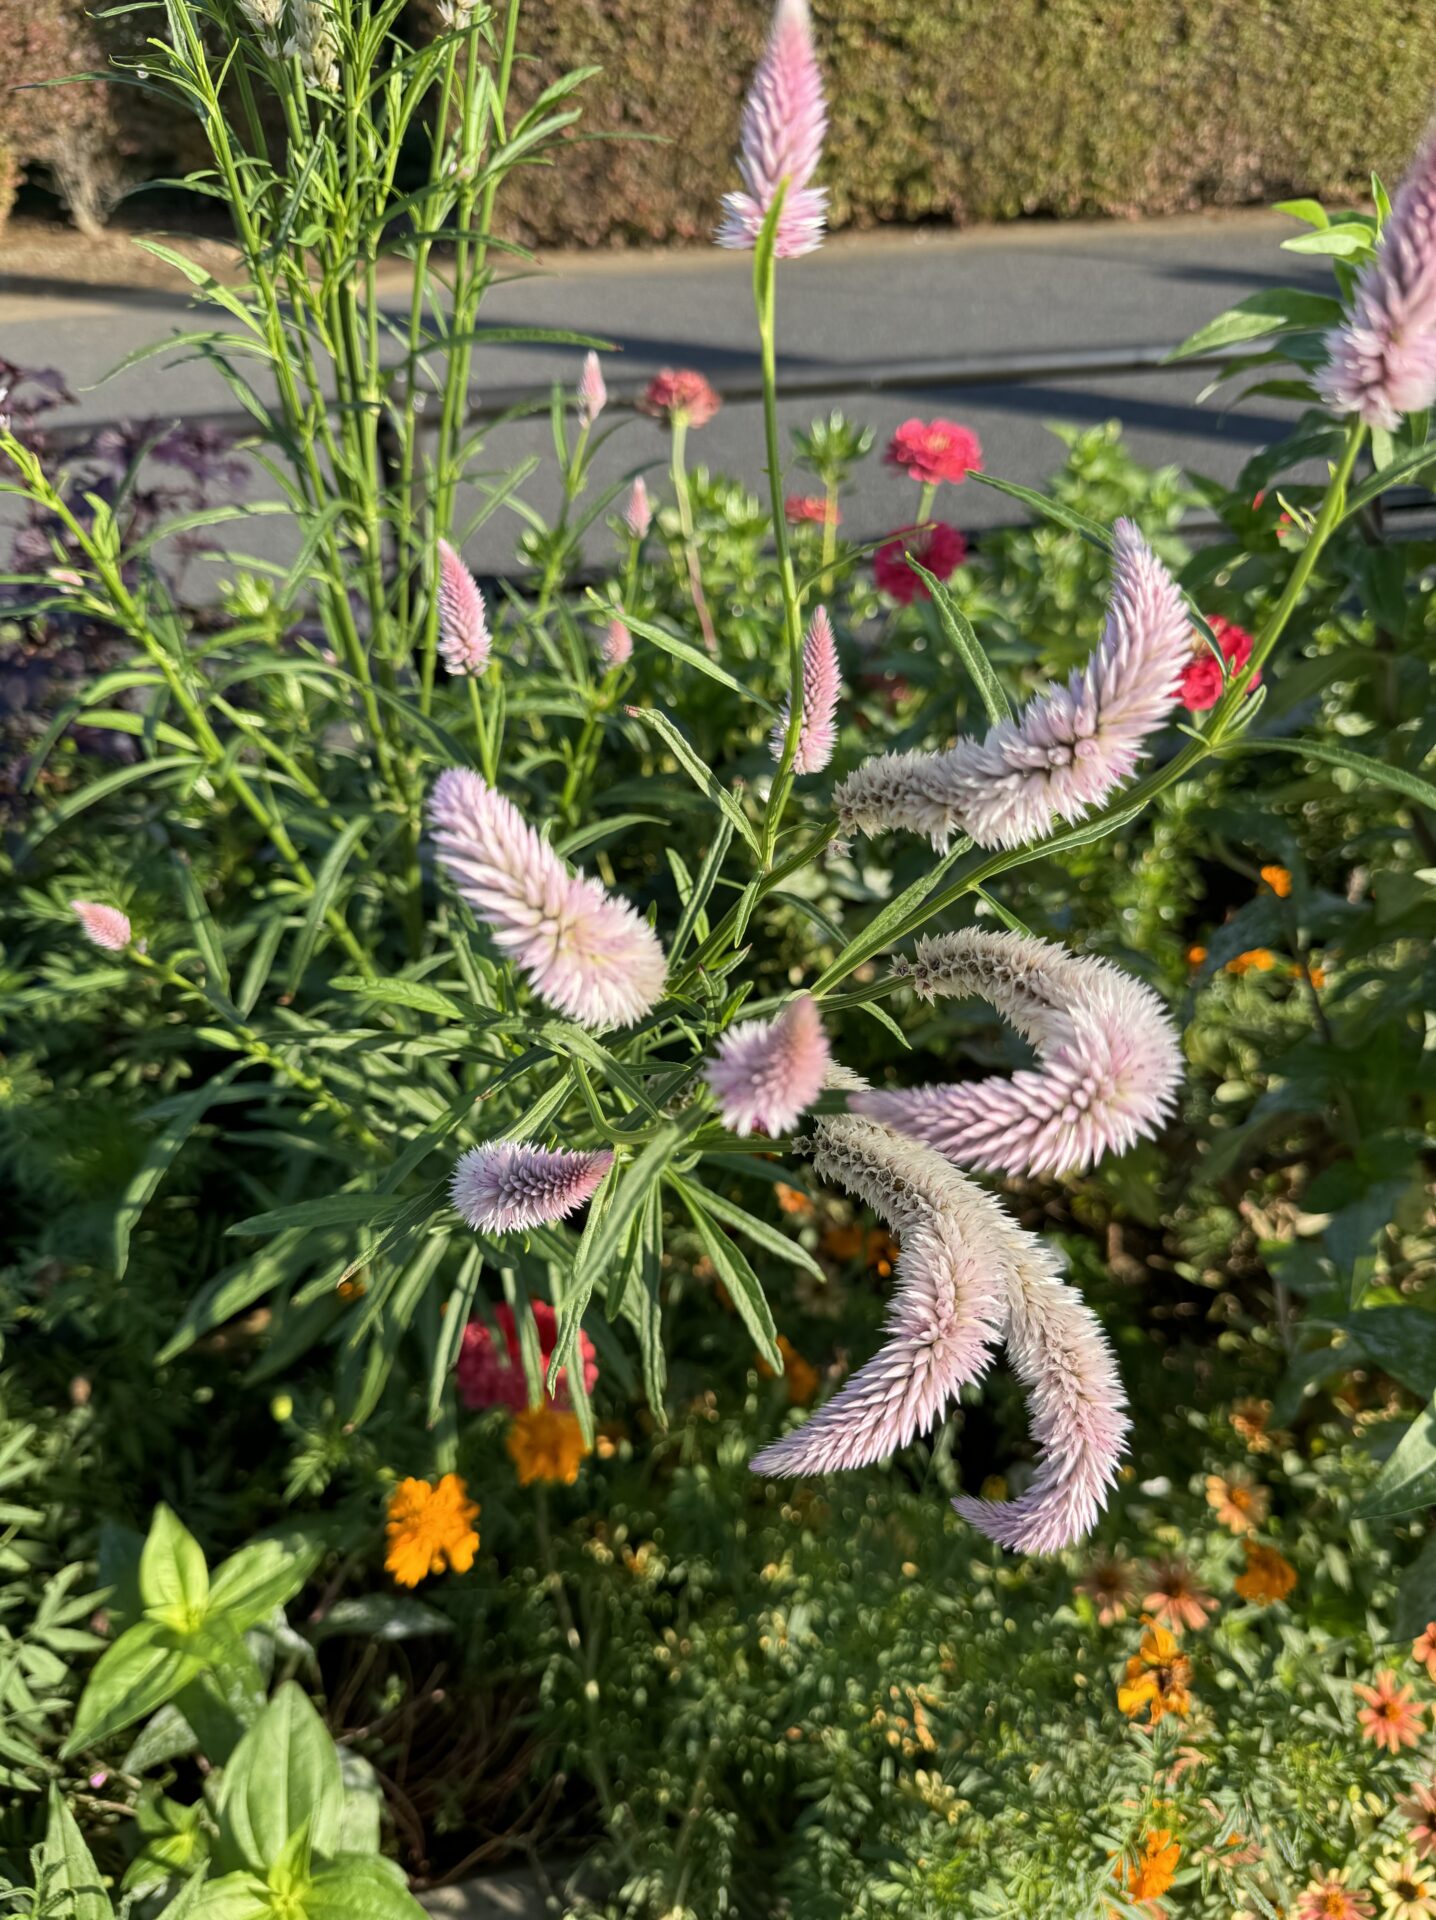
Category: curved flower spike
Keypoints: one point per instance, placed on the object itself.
(822, 688)
(463, 621)
(784, 120)
(584, 952)
(103, 926)
(1383, 359)
(1111, 1060)
(1066, 751)
(767, 1072)
(949, 1308)
(507, 1185)
(1079, 1420)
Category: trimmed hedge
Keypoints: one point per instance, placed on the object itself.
(950, 110)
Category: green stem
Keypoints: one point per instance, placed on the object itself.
(690, 538)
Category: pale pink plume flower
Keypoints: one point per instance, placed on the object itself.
(947, 1312)
(822, 687)
(103, 926)
(507, 1185)
(584, 952)
(592, 393)
(784, 120)
(616, 646)
(767, 1072)
(638, 514)
(1110, 1058)
(1079, 1420)
(1067, 750)
(1383, 358)
(463, 622)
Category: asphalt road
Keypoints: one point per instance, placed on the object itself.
(903, 302)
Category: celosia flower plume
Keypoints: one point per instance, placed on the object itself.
(767, 1072)
(490, 1371)
(784, 119)
(584, 952)
(822, 688)
(616, 646)
(463, 620)
(934, 451)
(1110, 1059)
(592, 392)
(638, 513)
(1382, 360)
(507, 1186)
(103, 926)
(680, 393)
(1067, 750)
(936, 546)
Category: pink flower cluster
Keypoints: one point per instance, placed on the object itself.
(507, 1186)
(784, 119)
(678, 393)
(934, 451)
(767, 1072)
(463, 622)
(822, 689)
(490, 1372)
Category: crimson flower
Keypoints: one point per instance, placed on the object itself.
(490, 1372)
(1202, 684)
(937, 546)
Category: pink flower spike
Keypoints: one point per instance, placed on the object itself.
(1382, 359)
(1067, 750)
(638, 514)
(1079, 1419)
(104, 926)
(508, 1185)
(584, 952)
(616, 647)
(767, 1072)
(822, 688)
(784, 120)
(1111, 1061)
(592, 393)
(463, 622)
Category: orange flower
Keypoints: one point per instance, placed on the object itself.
(1332, 1899)
(1239, 1503)
(1107, 1583)
(1153, 1872)
(429, 1526)
(791, 1201)
(1390, 1718)
(1423, 1648)
(843, 1243)
(800, 1377)
(546, 1444)
(1195, 956)
(1249, 1419)
(1420, 1810)
(1176, 1601)
(1158, 1678)
(1317, 976)
(882, 1252)
(1254, 960)
(1267, 1578)
(1278, 879)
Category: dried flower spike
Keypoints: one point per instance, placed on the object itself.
(1068, 749)
(1382, 360)
(584, 952)
(1111, 1061)
(508, 1185)
(822, 687)
(592, 393)
(463, 620)
(103, 926)
(767, 1072)
(784, 120)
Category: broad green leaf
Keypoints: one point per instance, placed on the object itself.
(1408, 1480)
(1399, 1340)
(146, 1667)
(283, 1776)
(959, 630)
(67, 1872)
(173, 1574)
(360, 1890)
(1272, 310)
(1311, 212)
(237, 1896)
(227, 1696)
(262, 1576)
(1346, 240)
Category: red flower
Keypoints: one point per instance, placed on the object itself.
(937, 546)
(1201, 685)
(682, 391)
(487, 1377)
(934, 450)
(811, 507)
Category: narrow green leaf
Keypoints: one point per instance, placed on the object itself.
(698, 771)
(417, 995)
(144, 1183)
(744, 1286)
(958, 628)
(760, 1232)
(202, 926)
(691, 656)
(1398, 779)
(326, 882)
(1272, 310)
(1050, 509)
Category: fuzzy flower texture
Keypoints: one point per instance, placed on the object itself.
(1066, 751)
(1382, 360)
(822, 689)
(767, 1072)
(584, 952)
(507, 1186)
(784, 120)
(103, 926)
(463, 620)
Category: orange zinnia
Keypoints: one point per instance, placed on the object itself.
(1238, 1502)
(1423, 1648)
(1158, 1678)
(1278, 879)
(1268, 1576)
(1153, 1872)
(790, 1200)
(1390, 1718)
(546, 1444)
(429, 1527)
(1249, 1419)
(1175, 1599)
(1254, 960)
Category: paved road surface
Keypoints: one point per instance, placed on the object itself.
(913, 297)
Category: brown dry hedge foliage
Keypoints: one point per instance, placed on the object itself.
(949, 110)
